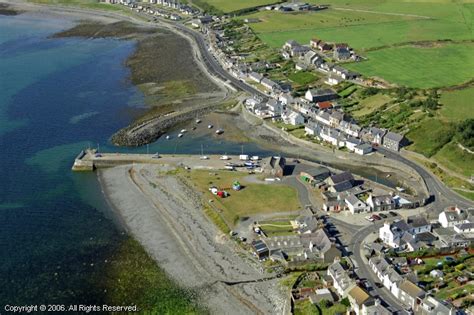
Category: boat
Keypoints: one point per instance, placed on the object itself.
(198, 121)
(209, 126)
(219, 131)
(183, 130)
(204, 157)
(225, 157)
(168, 137)
(194, 128)
(180, 135)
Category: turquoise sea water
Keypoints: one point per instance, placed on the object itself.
(58, 96)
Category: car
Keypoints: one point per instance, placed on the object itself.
(392, 213)
(376, 217)
(382, 215)
(369, 218)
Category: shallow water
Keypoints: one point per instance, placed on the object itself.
(58, 96)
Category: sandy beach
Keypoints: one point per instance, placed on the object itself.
(166, 217)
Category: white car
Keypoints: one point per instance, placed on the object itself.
(204, 157)
(369, 218)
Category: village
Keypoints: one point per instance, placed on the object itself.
(421, 264)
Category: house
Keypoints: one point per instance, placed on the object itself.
(381, 203)
(341, 53)
(311, 58)
(293, 118)
(306, 225)
(320, 95)
(352, 143)
(286, 99)
(418, 224)
(363, 149)
(299, 51)
(255, 76)
(410, 294)
(314, 43)
(340, 182)
(393, 141)
(374, 307)
(332, 136)
(324, 105)
(320, 246)
(323, 117)
(321, 294)
(290, 44)
(464, 228)
(452, 216)
(286, 54)
(436, 273)
(312, 128)
(274, 165)
(274, 107)
(342, 282)
(260, 249)
(355, 205)
(268, 84)
(392, 233)
(334, 79)
(448, 238)
(299, 66)
(432, 306)
(357, 297)
(386, 273)
(324, 47)
(376, 135)
(315, 175)
(336, 118)
(350, 128)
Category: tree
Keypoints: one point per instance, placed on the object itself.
(345, 302)
(466, 133)
(325, 303)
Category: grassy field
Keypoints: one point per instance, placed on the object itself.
(371, 104)
(457, 105)
(229, 6)
(303, 77)
(275, 228)
(456, 159)
(252, 199)
(429, 136)
(418, 67)
(406, 39)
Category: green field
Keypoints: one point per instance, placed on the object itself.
(89, 4)
(229, 6)
(429, 136)
(421, 44)
(456, 159)
(457, 105)
(252, 199)
(303, 77)
(371, 104)
(449, 64)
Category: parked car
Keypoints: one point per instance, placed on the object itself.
(376, 217)
(369, 218)
(382, 215)
(392, 213)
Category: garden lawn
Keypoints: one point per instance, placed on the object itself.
(417, 67)
(303, 77)
(252, 199)
(457, 105)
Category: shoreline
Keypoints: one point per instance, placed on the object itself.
(167, 220)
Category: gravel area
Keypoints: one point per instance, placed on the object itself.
(166, 217)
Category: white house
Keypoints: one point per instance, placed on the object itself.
(274, 107)
(293, 118)
(464, 228)
(352, 143)
(323, 117)
(355, 205)
(333, 79)
(363, 149)
(333, 137)
(341, 280)
(452, 216)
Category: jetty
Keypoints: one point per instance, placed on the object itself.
(91, 159)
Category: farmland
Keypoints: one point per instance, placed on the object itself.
(420, 67)
(229, 6)
(417, 44)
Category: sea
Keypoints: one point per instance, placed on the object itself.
(57, 97)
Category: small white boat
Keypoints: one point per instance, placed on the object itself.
(225, 157)
(198, 121)
(183, 130)
(210, 126)
(204, 157)
(180, 135)
(168, 137)
(219, 131)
